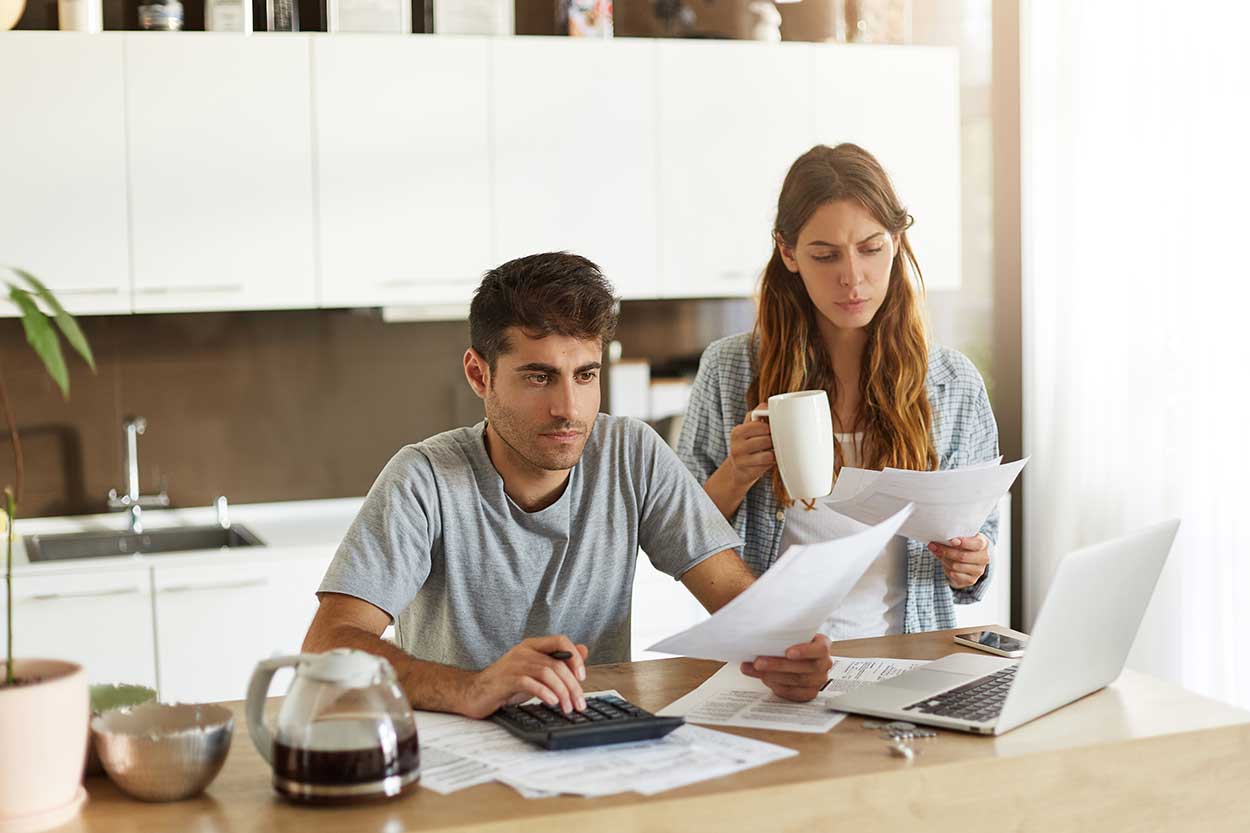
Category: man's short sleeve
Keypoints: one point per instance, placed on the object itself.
(679, 525)
(385, 557)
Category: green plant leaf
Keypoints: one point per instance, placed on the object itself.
(67, 323)
(42, 338)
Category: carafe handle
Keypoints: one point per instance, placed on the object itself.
(257, 693)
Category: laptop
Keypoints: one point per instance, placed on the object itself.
(1079, 644)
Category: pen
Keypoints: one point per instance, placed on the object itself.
(563, 655)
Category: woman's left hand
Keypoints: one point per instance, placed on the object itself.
(963, 559)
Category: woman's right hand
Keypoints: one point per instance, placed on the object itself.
(751, 451)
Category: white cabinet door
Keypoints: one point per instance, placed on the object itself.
(732, 118)
(661, 607)
(575, 157)
(216, 621)
(99, 619)
(291, 602)
(220, 171)
(63, 167)
(901, 104)
(211, 623)
(402, 168)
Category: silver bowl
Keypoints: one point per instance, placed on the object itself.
(160, 752)
(106, 697)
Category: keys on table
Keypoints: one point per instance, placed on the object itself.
(899, 734)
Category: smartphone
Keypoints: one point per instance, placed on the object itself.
(993, 642)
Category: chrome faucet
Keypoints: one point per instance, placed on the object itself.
(132, 501)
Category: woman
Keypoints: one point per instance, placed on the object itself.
(838, 312)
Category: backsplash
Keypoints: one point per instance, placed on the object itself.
(267, 406)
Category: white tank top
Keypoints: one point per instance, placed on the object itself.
(877, 603)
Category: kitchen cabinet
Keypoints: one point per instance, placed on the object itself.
(857, 95)
(212, 172)
(291, 601)
(211, 624)
(660, 607)
(403, 183)
(63, 167)
(220, 171)
(575, 154)
(101, 619)
(732, 117)
(215, 621)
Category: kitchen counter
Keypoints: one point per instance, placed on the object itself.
(314, 527)
(191, 624)
(1141, 754)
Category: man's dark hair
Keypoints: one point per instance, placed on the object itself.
(555, 293)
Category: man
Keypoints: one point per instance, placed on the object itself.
(496, 546)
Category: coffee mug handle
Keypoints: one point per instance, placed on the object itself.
(758, 414)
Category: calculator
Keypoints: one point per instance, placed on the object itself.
(607, 719)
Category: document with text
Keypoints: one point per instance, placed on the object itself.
(457, 752)
(786, 605)
(946, 504)
(730, 698)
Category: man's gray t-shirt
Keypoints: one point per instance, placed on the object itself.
(466, 574)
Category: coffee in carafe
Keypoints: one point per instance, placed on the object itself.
(345, 732)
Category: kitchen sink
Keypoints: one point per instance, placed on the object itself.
(151, 542)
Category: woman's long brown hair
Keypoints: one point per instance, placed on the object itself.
(894, 412)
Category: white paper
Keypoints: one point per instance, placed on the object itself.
(953, 503)
(457, 752)
(787, 604)
(850, 673)
(685, 756)
(730, 698)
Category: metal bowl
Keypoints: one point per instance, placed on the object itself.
(106, 697)
(161, 752)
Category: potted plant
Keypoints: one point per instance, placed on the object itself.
(43, 702)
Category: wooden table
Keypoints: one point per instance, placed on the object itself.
(1139, 755)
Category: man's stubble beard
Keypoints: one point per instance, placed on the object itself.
(518, 438)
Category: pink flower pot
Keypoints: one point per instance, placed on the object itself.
(43, 745)
(11, 13)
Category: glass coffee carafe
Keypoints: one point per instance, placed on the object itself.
(345, 731)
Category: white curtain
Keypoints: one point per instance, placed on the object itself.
(1136, 221)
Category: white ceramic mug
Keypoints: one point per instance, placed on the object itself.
(802, 428)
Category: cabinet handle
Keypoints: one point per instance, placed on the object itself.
(85, 594)
(87, 290)
(225, 585)
(187, 290)
(401, 283)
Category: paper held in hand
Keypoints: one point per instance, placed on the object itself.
(787, 604)
(948, 504)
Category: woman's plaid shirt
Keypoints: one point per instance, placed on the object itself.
(964, 433)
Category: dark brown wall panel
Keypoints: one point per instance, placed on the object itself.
(265, 406)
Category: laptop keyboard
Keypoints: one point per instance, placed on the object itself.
(977, 701)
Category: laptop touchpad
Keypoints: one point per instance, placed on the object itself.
(922, 679)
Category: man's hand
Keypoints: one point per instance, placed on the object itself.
(528, 671)
(964, 560)
(800, 674)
